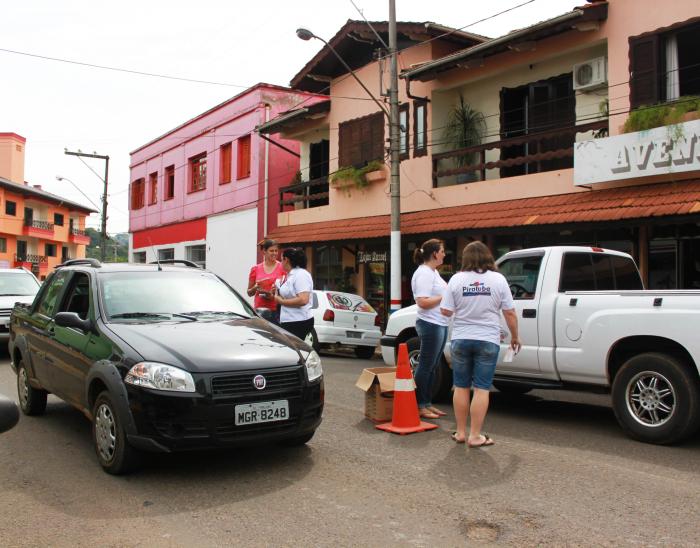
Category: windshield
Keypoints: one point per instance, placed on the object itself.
(165, 295)
(18, 284)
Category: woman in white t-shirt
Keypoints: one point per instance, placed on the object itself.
(294, 294)
(428, 288)
(476, 297)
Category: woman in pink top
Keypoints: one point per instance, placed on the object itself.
(261, 280)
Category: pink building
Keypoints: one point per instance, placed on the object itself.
(547, 164)
(203, 190)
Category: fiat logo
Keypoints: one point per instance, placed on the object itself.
(259, 382)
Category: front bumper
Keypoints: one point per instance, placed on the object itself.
(388, 344)
(180, 422)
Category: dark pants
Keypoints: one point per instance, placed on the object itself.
(432, 342)
(300, 329)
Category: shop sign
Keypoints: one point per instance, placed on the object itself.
(659, 151)
(363, 257)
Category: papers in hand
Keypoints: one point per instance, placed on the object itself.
(510, 354)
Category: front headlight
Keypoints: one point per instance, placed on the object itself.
(313, 366)
(159, 376)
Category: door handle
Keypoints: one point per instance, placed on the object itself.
(529, 312)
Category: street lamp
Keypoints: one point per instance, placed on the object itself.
(59, 178)
(394, 137)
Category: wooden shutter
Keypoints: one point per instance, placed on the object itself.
(644, 71)
(243, 157)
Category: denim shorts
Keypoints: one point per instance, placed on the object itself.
(473, 363)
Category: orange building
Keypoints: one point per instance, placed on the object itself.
(38, 230)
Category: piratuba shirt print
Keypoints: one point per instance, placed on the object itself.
(477, 298)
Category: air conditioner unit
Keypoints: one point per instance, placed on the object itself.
(591, 74)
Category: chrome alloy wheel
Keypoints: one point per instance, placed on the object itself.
(105, 432)
(23, 387)
(413, 357)
(651, 399)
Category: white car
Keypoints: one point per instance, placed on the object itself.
(16, 285)
(345, 319)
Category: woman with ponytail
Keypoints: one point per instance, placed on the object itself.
(428, 289)
(294, 294)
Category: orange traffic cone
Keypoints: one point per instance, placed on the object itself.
(405, 418)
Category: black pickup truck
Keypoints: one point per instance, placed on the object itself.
(162, 357)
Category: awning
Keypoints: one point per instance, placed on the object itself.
(292, 118)
(635, 202)
(591, 13)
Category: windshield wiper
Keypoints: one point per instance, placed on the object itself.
(15, 295)
(165, 315)
(217, 313)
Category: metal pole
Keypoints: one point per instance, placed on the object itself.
(395, 185)
(103, 237)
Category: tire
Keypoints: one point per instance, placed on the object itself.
(32, 401)
(312, 340)
(512, 389)
(656, 399)
(299, 440)
(364, 352)
(114, 453)
(442, 383)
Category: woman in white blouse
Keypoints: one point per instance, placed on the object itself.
(428, 289)
(294, 294)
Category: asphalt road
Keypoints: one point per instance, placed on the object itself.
(561, 472)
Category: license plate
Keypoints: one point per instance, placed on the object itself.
(353, 334)
(263, 411)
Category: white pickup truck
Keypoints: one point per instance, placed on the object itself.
(586, 323)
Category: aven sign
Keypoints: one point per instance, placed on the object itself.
(660, 151)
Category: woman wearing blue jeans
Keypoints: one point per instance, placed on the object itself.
(476, 297)
(428, 288)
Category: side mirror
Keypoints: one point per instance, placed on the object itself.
(71, 319)
(9, 414)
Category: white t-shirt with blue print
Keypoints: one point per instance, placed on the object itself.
(476, 299)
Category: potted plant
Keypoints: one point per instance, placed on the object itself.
(347, 177)
(464, 127)
(648, 117)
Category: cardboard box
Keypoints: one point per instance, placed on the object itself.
(378, 386)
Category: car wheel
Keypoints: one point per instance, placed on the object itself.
(442, 382)
(512, 389)
(298, 441)
(656, 398)
(312, 340)
(364, 352)
(32, 401)
(114, 453)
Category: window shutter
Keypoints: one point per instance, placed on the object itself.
(377, 137)
(344, 144)
(644, 71)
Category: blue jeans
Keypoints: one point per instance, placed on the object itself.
(432, 342)
(473, 363)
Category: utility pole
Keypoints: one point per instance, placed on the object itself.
(395, 184)
(103, 235)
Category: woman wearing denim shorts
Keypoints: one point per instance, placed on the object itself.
(476, 297)
(428, 288)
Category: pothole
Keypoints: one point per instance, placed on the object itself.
(482, 531)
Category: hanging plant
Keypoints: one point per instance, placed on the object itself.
(650, 117)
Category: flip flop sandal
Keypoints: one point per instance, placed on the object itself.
(487, 441)
(437, 411)
(425, 414)
(456, 439)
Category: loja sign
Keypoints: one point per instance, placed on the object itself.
(370, 257)
(659, 151)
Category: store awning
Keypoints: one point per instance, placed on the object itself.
(635, 202)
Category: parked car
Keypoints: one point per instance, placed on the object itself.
(344, 319)
(586, 323)
(162, 358)
(16, 285)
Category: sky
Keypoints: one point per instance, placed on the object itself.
(57, 105)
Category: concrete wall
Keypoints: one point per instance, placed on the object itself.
(12, 157)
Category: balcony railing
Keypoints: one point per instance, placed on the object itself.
(313, 193)
(31, 258)
(541, 150)
(42, 225)
(78, 232)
